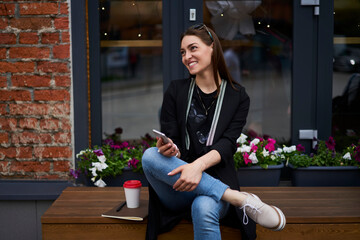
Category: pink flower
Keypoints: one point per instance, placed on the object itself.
(246, 158)
(115, 146)
(124, 144)
(254, 148)
(271, 145)
(300, 148)
(330, 144)
(357, 153)
(133, 163)
(98, 152)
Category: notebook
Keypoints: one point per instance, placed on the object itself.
(121, 211)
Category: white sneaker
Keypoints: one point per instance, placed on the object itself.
(267, 216)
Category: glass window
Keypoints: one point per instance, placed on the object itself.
(256, 37)
(346, 74)
(131, 66)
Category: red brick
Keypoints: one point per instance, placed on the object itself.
(30, 81)
(17, 67)
(3, 81)
(57, 67)
(61, 110)
(52, 38)
(2, 53)
(7, 9)
(4, 137)
(26, 23)
(38, 8)
(3, 166)
(3, 23)
(19, 95)
(29, 123)
(8, 124)
(65, 37)
(27, 109)
(53, 152)
(31, 138)
(7, 38)
(28, 38)
(62, 81)
(61, 23)
(51, 95)
(61, 166)
(29, 166)
(3, 110)
(65, 124)
(61, 51)
(16, 152)
(62, 137)
(49, 124)
(64, 8)
(29, 52)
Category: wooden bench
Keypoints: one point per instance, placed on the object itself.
(311, 212)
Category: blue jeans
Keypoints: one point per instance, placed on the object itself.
(207, 208)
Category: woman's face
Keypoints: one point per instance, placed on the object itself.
(196, 55)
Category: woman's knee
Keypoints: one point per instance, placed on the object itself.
(149, 156)
(205, 209)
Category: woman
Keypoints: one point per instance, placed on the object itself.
(194, 174)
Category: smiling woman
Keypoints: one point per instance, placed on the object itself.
(196, 55)
(193, 174)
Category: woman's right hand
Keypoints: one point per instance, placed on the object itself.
(168, 150)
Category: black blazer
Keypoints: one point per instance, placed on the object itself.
(232, 119)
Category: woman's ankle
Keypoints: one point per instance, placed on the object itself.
(234, 197)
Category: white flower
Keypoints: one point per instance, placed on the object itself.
(282, 156)
(278, 151)
(100, 183)
(101, 158)
(347, 156)
(93, 179)
(253, 158)
(255, 141)
(242, 139)
(99, 166)
(265, 153)
(244, 148)
(80, 153)
(93, 172)
(272, 157)
(289, 149)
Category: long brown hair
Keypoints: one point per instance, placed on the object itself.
(208, 36)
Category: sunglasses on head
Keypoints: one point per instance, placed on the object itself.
(202, 26)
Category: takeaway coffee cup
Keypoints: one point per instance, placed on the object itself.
(132, 193)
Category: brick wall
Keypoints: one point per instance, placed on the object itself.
(35, 81)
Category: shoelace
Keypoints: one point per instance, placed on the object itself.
(252, 208)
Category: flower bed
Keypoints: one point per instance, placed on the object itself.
(108, 161)
(259, 161)
(327, 167)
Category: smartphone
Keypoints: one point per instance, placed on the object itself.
(162, 136)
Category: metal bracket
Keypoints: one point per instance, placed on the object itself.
(309, 134)
(314, 3)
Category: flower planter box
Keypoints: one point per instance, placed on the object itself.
(257, 176)
(325, 176)
(118, 181)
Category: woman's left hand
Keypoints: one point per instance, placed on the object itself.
(190, 176)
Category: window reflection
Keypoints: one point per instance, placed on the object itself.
(131, 66)
(256, 37)
(346, 77)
